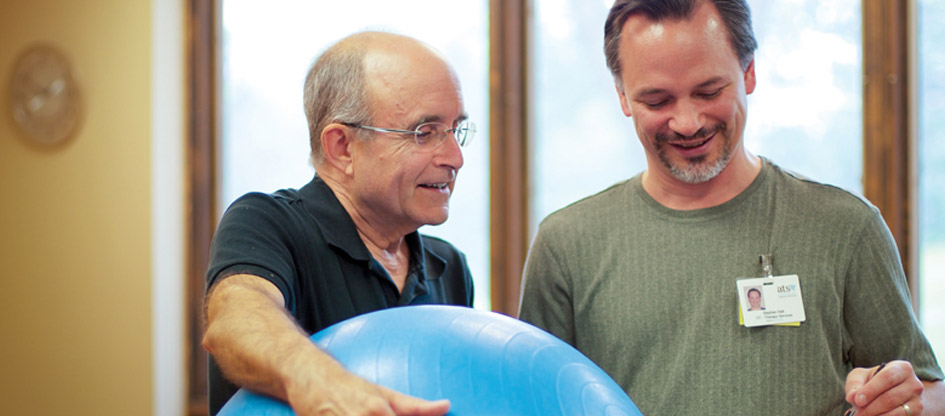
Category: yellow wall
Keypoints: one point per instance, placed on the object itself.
(75, 307)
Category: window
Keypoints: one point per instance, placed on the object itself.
(267, 50)
(582, 141)
(931, 100)
(806, 111)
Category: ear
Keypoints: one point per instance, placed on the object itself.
(750, 77)
(336, 146)
(624, 104)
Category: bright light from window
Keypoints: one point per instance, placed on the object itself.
(932, 174)
(806, 111)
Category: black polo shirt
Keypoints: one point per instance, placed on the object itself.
(305, 243)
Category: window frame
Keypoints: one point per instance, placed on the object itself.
(890, 124)
(203, 100)
(889, 148)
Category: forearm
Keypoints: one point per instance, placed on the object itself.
(257, 344)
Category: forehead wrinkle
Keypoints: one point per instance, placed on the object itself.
(398, 91)
(410, 117)
(386, 92)
(436, 118)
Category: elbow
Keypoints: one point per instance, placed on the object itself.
(212, 334)
(208, 340)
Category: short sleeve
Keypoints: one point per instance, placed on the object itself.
(546, 295)
(254, 237)
(878, 310)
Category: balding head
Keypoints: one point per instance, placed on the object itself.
(344, 81)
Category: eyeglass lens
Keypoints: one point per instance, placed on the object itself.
(436, 132)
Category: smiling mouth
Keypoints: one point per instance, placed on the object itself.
(692, 144)
(699, 138)
(435, 185)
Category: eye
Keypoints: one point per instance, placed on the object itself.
(710, 95)
(655, 105)
(425, 130)
(430, 132)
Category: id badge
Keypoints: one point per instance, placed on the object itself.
(775, 300)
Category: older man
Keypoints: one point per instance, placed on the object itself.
(698, 220)
(386, 123)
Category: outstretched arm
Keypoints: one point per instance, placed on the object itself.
(258, 345)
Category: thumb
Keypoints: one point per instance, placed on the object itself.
(855, 379)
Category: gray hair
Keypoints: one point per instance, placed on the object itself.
(735, 14)
(335, 91)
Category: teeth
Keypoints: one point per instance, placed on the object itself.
(690, 145)
(435, 185)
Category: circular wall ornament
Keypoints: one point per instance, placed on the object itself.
(45, 98)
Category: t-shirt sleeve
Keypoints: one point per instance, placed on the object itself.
(878, 310)
(254, 238)
(546, 295)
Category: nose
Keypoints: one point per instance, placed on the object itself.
(449, 153)
(687, 118)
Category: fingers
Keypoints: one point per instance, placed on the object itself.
(404, 405)
(856, 379)
(346, 394)
(884, 392)
(371, 406)
(376, 408)
(376, 401)
(912, 407)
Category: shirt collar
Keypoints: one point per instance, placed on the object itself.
(339, 231)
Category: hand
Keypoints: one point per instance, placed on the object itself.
(873, 392)
(351, 395)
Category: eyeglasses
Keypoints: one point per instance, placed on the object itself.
(430, 134)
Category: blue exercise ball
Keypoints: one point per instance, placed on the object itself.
(485, 363)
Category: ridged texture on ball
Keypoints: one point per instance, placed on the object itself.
(485, 363)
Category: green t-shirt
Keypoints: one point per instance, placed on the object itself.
(649, 294)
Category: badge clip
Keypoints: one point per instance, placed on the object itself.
(766, 268)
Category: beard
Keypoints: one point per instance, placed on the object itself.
(699, 169)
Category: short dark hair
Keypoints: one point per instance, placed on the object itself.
(754, 290)
(735, 13)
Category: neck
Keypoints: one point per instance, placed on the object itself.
(387, 246)
(673, 193)
(384, 240)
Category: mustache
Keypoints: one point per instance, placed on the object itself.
(702, 133)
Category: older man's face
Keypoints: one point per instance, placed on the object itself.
(396, 180)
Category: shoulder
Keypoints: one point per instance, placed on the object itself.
(804, 193)
(257, 214)
(261, 199)
(284, 201)
(588, 211)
